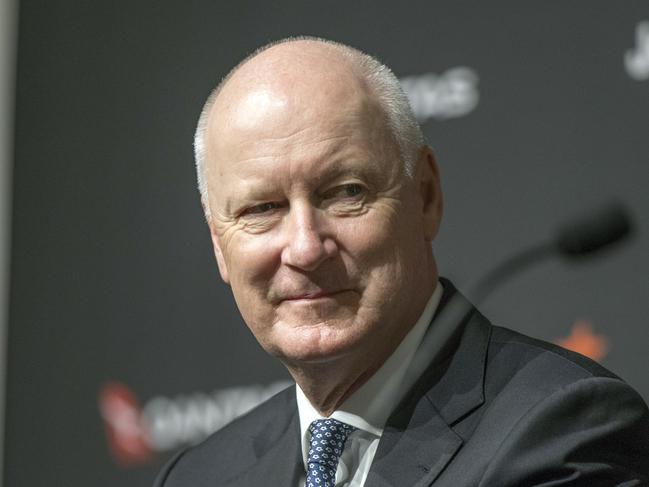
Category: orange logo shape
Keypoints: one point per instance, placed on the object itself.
(583, 340)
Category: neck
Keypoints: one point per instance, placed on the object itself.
(327, 385)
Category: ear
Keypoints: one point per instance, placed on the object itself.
(220, 261)
(430, 192)
(216, 245)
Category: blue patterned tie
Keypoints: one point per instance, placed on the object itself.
(328, 438)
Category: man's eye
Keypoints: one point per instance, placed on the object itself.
(263, 208)
(351, 190)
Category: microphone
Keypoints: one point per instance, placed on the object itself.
(596, 230)
(599, 229)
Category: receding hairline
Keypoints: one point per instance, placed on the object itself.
(381, 82)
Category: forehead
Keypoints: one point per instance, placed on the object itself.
(255, 104)
(264, 124)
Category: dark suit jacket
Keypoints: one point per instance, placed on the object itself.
(496, 408)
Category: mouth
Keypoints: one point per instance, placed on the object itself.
(313, 296)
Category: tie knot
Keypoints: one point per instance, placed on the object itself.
(328, 438)
(325, 429)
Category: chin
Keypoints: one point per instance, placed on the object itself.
(317, 343)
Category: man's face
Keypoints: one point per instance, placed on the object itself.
(315, 227)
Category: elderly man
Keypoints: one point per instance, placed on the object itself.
(322, 202)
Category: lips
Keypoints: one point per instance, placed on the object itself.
(312, 295)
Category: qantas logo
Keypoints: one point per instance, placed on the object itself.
(136, 433)
(126, 434)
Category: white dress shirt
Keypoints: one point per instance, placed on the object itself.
(369, 407)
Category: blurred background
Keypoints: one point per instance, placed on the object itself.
(119, 344)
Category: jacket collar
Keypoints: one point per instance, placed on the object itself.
(418, 440)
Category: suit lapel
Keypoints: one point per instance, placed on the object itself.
(415, 454)
(418, 440)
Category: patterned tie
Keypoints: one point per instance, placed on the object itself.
(328, 438)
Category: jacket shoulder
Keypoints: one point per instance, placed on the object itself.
(544, 406)
(515, 354)
(553, 405)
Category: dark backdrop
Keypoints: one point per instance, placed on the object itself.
(123, 343)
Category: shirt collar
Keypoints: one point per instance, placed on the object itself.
(368, 408)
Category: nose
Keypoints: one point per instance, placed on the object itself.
(307, 241)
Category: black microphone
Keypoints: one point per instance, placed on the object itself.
(597, 230)
(585, 236)
(582, 237)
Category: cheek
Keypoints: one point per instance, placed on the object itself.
(250, 259)
(251, 265)
(371, 245)
(384, 251)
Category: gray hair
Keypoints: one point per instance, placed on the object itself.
(381, 80)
